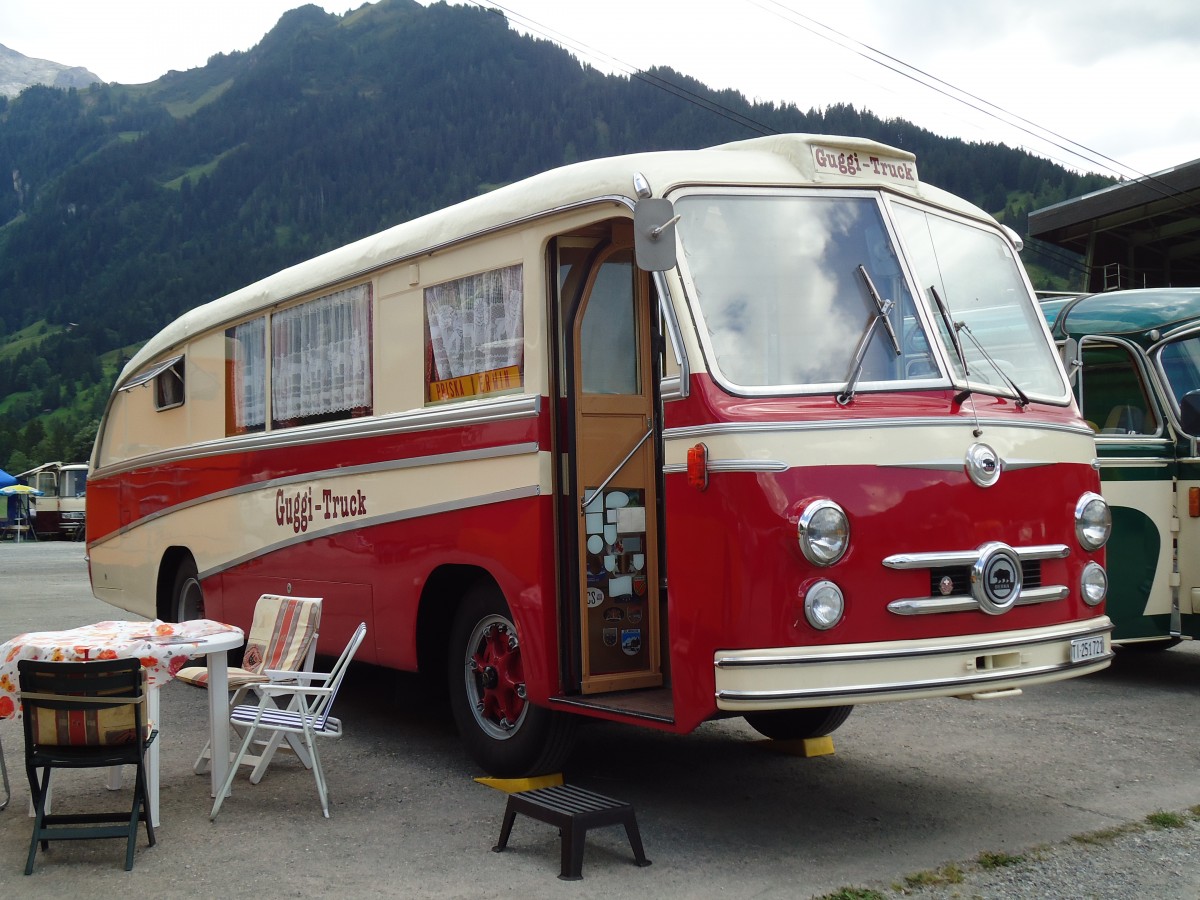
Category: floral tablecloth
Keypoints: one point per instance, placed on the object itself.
(163, 647)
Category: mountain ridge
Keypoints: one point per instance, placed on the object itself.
(133, 203)
(18, 71)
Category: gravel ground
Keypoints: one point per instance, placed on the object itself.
(1140, 860)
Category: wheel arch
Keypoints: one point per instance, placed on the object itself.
(172, 559)
(440, 598)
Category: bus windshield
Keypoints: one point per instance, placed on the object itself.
(974, 275)
(782, 292)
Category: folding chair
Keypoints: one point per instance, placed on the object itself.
(306, 713)
(282, 642)
(85, 715)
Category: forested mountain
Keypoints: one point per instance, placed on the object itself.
(131, 204)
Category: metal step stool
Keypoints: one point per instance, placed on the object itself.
(573, 810)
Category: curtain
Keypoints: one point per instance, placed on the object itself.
(321, 356)
(476, 323)
(249, 382)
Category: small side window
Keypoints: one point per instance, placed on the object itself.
(1115, 399)
(168, 386)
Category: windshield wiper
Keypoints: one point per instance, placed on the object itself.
(953, 332)
(1022, 399)
(882, 309)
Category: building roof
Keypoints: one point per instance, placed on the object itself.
(1142, 233)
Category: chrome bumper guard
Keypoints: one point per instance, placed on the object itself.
(795, 677)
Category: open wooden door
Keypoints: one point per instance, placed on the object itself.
(614, 451)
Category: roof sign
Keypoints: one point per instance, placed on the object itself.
(869, 167)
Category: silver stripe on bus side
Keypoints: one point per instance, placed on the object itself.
(732, 465)
(368, 468)
(1139, 462)
(694, 432)
(359, 524)
(479, 413)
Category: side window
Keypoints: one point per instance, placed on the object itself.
(321, 359)
(474, 336)
(246, 377)
(168, 386)
(608, 337)
(1115, 399)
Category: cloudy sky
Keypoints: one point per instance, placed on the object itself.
(1100, 85)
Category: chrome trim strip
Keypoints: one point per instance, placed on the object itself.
(695, 432)
(675, 333)
(670, 388)
(368, 468)
(975, 648)
(732, 465)
(359, 524)
(477, 413)
(919, 606)
(1139, 462)
(966, 682)
(970, 557)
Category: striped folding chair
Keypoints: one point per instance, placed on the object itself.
(282, 642)
(305, 715)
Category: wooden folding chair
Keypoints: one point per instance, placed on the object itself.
(85, 715)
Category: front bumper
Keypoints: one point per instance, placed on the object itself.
(962, 666)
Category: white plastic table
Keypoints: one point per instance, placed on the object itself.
(163, 648)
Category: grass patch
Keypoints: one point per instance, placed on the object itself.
(852, 893)
(1163, 819)
(1104, 835)
(988, 860)
(947, 874)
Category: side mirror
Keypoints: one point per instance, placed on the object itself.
(1072, 360)
(1189, 413)
(654, 234)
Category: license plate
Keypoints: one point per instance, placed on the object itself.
(1083, 649)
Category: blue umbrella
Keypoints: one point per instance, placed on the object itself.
(6, 479)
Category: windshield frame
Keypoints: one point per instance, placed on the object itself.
(935, 353)
(947, 375)
(1034, 314)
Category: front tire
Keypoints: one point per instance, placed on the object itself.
(795, 724)
(504, 733)
(187, 596)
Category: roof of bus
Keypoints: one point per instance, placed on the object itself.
(1132, 314)
(786, 160)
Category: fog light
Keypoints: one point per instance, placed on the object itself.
(1093, 584)
(824, 605)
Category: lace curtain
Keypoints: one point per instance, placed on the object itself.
(475, 323)
(248, 350)
(321, 356)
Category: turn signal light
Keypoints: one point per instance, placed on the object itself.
(697, 467)
(1194, 502)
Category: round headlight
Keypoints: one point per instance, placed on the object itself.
(1093, 584)
(1093, 521)
(824, 605)
(824, 532)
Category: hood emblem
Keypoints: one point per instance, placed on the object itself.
(983, 465)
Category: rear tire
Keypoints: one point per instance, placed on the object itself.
(504, 733)
(795, 724)
(187, 596)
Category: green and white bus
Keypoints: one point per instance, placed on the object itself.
(1134, 359)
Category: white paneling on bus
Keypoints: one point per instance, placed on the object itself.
(768, 429)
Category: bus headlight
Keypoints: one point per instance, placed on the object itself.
(824, 532)
(1093, 584)
(824, 605)
(1093, 521)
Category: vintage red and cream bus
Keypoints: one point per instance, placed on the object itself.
(768, 430)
